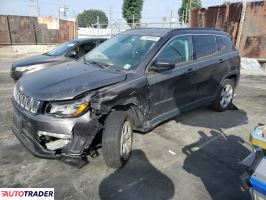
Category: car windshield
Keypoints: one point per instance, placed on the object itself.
(61, 48)
(123, 51)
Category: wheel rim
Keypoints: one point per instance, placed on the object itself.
(226, 96)
(126, 140)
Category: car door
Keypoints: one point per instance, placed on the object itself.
(172, 89)
(211, 65)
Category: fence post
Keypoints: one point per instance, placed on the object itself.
(35, 34)
(240, 29)
(9, 32)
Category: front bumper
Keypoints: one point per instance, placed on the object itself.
(81, 130)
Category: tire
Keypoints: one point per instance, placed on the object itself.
(225, 96)
(116, 141)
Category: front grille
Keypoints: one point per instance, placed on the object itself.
(25, 102)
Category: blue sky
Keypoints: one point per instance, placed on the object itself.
(153, 10)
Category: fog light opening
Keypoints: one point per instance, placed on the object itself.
(53, 141)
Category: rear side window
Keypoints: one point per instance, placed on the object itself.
(204, 45)
(221, 43)
(224, 43)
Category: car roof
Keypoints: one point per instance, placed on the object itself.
(159, 32)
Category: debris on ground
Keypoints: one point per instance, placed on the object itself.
(250, 64)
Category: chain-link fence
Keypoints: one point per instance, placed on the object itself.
(116, 27)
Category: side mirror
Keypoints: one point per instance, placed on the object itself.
(161, 66)
(72, 54)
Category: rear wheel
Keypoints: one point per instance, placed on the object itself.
(225, 96)
(117, 139)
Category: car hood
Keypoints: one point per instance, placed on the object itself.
(67, 80)
(34, 60)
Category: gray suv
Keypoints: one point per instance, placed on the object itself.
(134, 81)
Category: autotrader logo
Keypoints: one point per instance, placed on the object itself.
(26, 193)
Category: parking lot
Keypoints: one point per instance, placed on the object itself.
(193, 156)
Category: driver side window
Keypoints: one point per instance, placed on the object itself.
(178, 50)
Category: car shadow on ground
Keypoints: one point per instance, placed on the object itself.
(139, 179)
(215, 157)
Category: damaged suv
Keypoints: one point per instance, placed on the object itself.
(133, 81)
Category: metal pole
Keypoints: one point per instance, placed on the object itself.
(133, 21)
(38, 8)
(171, 16)
(186, 18)
(98, 26)
(182, 19)
(110, 21)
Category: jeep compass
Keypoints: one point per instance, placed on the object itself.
(134, 81)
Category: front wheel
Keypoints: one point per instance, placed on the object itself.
(225, 96)
(117, 139)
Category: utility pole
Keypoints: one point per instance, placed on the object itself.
(133, 21)
(110, 21)
(186, 16)
(34, 8)
(189, 12)
(183, 18)
(171, 17)
(62, 9)
(110, 15)
(98, 26)
(59, 11)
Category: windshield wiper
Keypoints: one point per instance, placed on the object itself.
(102, 65)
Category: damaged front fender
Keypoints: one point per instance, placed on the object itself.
(130, 94)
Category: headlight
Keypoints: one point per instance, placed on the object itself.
(28, 68)
(68, 109)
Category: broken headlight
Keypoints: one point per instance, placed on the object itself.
(68, 108)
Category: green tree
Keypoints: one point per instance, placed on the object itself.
(132, 11)
(89, 18)
(226, 3)
(183, 12)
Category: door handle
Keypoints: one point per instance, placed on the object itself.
(190, 71)
(221, 60)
